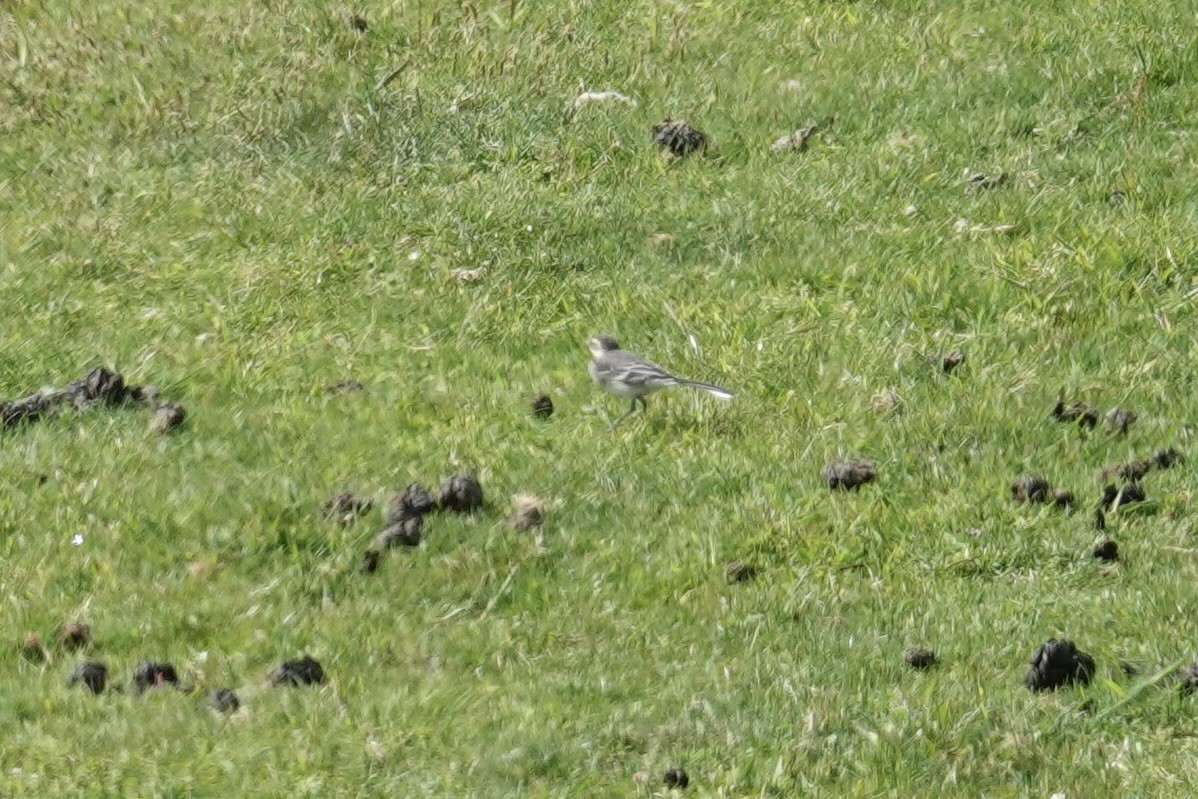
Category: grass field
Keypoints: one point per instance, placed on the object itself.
(243, 202)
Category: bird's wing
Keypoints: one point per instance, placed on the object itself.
(637, 371)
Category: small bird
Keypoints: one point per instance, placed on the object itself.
(630, 376)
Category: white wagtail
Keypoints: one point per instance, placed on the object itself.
(630, 376)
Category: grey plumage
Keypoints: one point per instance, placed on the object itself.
(632, 377)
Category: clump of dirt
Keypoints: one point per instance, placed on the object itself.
(793, 142)
(1030, 488)
(1105, 549)
(848, 474)
(1077, 412)
(74, 635)
(528, 511)
(952, 360)
(740, 572)
(370, 561)
(678, 137)
(406, 532)
(1114, 498)
(91, 674)
(346, 506)
(1058, 662)
(356, 23)
(304, 671)
(461, 493)
(979, 181)
(1189, 678)
(412, 501)
(148, 674)
(919, 658)
(33, 650)
(1118, 420)
(676, 778)
(168, 416)
(223, 700)
(542, 406)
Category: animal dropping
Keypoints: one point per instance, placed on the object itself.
(412, 501)
(167, 417)
(370, 561)
(1114, 498)
(461, 493)
(406, 532)
(304, 671)
(1057, 663)
(1105, 549)
(678, 138)
(34, 650)
(223, 700)
(91, 674)
(527, 512)
(676, 778)
(919, 658)
(738, 572)
(542, 406)
(347, 386)
(346, 506)
(952, 360)
(1118, 420)
(1062, 497)
(74, 635)
(1189, 679)
(148, 674)
(1077, 412)
(849, 474)
(1030, 488)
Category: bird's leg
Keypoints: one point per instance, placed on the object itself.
(630, 411)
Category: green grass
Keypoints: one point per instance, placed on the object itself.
(244, 202)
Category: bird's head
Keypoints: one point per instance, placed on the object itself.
(601, 344)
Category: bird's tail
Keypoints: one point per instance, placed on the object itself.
(713, 390)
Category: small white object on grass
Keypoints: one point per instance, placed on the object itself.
(586, 98)
(77, 540)
(793, 142)
(467, 275)
(963, 227)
